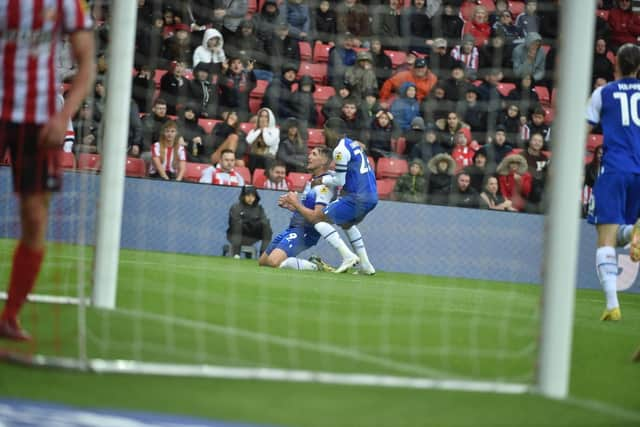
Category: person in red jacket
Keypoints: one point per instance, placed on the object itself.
(624, 23)
(420, 75)
(464, 149)
(478, 26)
(515, 180)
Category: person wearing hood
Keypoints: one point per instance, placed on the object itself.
(361, 76)
(173, 87)
(198, 148)
(248, 222)
(304, 104)
(212, 49)
(203, 92)
(412, 186)
(263, 140)
(529, 57)
(439, 181)
(279, 94)
(514, 180)
(405, 108)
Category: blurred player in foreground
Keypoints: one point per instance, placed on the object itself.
(32, 128)
(301, 234)
(615, 205)
(359, 195)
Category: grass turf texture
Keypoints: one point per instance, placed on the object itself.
(187, 309)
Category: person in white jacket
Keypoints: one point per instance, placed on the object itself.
(263, 140)
(212, 49)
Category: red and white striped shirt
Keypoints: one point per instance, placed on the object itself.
(218, 176)
(170, 162)
(30, 33)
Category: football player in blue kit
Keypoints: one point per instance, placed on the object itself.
(615, 206)
(359, 195)
(301, 234)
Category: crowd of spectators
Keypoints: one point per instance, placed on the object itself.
(459, 91)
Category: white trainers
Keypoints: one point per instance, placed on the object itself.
(347, 264)
(366, 270)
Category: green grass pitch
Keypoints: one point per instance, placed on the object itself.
(219, 311)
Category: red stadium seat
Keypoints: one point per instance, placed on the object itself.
(398, 145)
(208, 124)
(397, 57)
(247, 126)
(593, 141)
(135, 167)
(89, 162)
(194, 171)
(322, 94)
(543, 94)
(321, 52)
(505, 88)
(516, 8)
(385, 188)
(66, 160)
(318, 72)
(603, 13)
(258, 178)
(315, 137)
(305, 51)
(252, 7)
(245, 173)
(259, 90)
(391, 168)
(254, 105)
(299, 180)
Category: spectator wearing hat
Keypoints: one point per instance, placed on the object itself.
(211, 51)
(297, 14)
(248, 222)
(282, 49)
(416, 25)
(202, 92)
(234, 86)
(304, 107)
(478, 26)
(173, 87)
(361, 75)
(414, 135)
(353, 18)
(198, 145)
(386, 24)
(529, 57)
(382, 65)
(457, 84)
(325, 23)
(279, 94)
(440, 61)
(412, 186)
(448, 24)
(341, 57)
(427, 147)
(370, 106)
(332, 107)
(420, 76)
(467, 53)
(405, 107)
(177, 47)
(441, 168)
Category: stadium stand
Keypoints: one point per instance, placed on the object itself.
(135, 167)
(89, 162)
(391, 168)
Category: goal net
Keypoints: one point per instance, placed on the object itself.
(455, 303)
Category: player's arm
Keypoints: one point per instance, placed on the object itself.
(341, 157)
(291, 202)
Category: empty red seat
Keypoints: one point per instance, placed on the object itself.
(89, 162)
(258, 177)
(388, 167)
(305, 51)
(318, 72)
(247, 126)
(299, 180)
(322, 94)
(321, 52)
(385, 188)
(65, 160)
(397, 57)
(516, 8)
(245, 173)
(505, 88)
(135, 167)
(593, 141)
(259, 90)
(208, 124)
(194, 171)
(543, 94)
(315, 137)
(398, 145)
(254, 105)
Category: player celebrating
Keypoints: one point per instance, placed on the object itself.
(301, 234)
(616, 195)
(358, 197)
(30, 125)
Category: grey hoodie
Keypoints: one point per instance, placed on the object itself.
(521, 64)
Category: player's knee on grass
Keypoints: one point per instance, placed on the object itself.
(274, 259)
